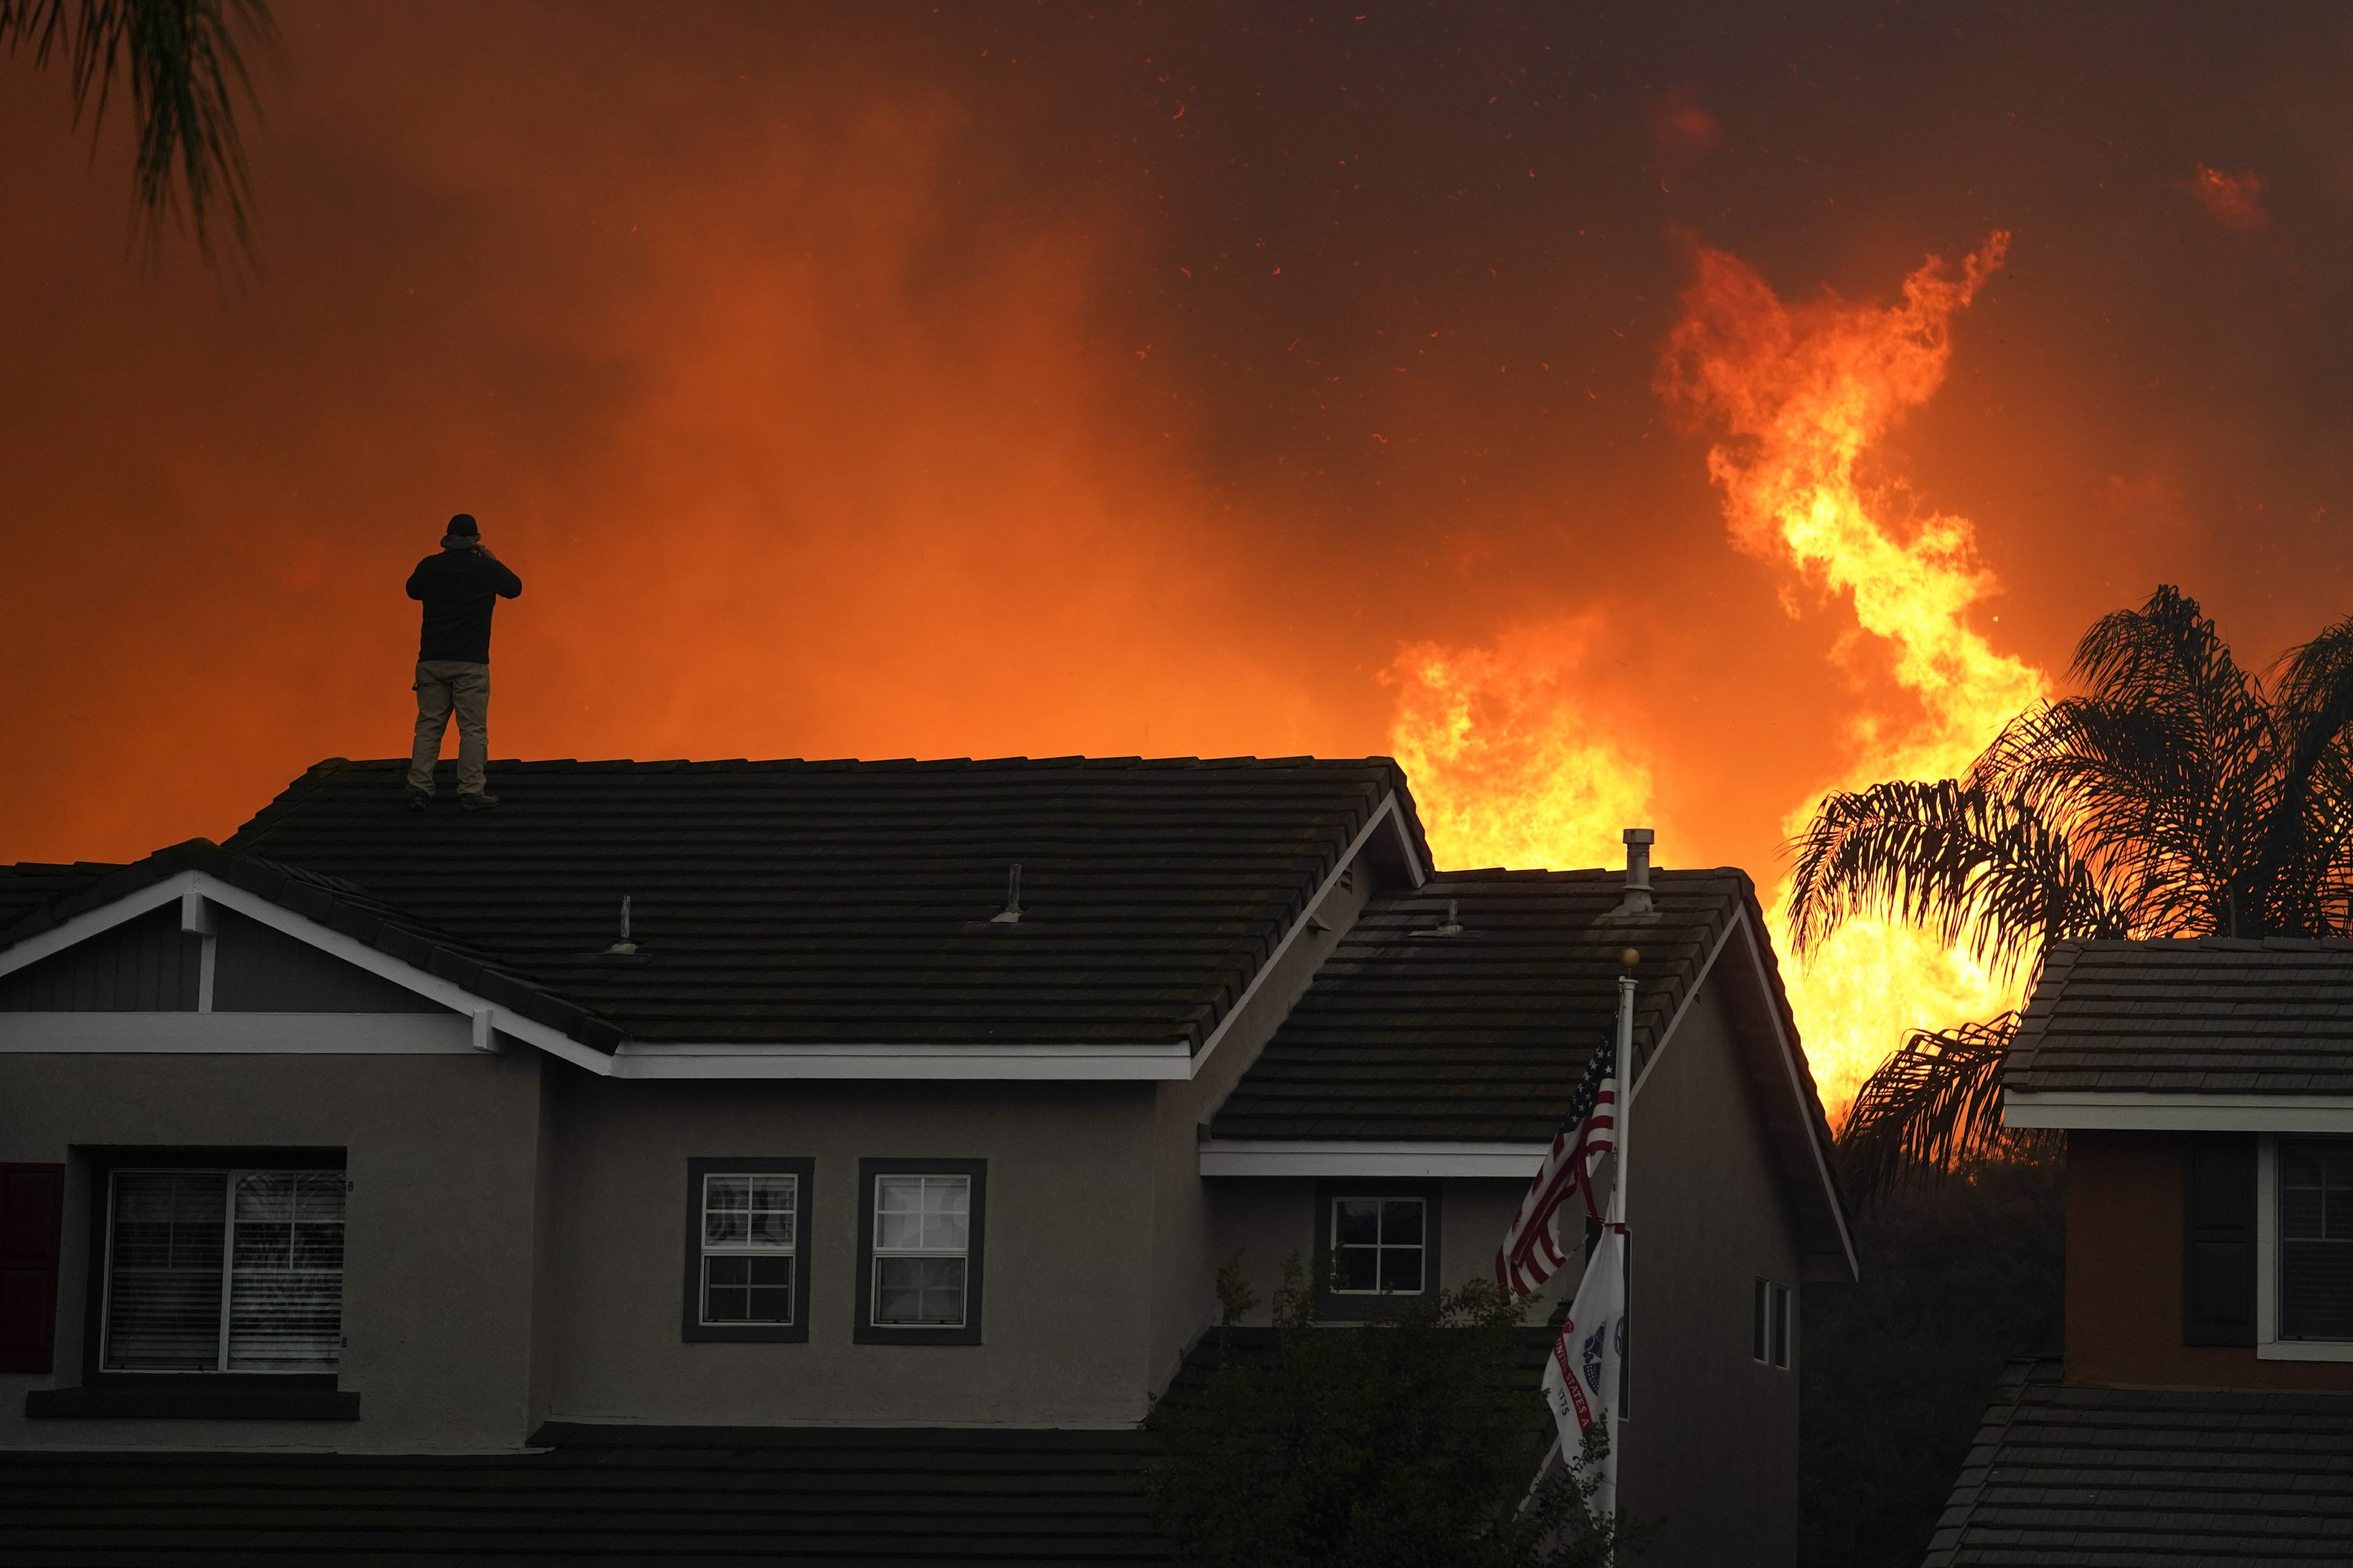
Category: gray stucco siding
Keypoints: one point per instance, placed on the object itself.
(1711, 1444)
(1067, 1277)
(440, 1150)
(1269, 1218)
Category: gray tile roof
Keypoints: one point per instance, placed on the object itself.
(629, 1497)
(2092, 1477)
(29, 884)
(2211, 1016)
(1481, 1035)
(819, 902)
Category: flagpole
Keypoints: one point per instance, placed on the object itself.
(1624, 1119)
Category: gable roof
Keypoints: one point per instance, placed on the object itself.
(633, 1497)
(1415, 1038)
(31, 885)
(823, 904)
(1407, 1034)
(2204, 1017)
(2101, 1478)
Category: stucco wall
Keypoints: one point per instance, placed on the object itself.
(1711, 1444)
(1268, 1218)
(1187, 1249)
(2125, 1193)
(440, 1151)
(1067, 1281)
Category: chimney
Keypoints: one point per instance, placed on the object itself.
(1636, 904)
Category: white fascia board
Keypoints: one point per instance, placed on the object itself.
(996, 1061)
(349, 949)
(2141, 1111)
(1320, 1156)
(1387, 811)
(238, 1033)
(1789, 1059)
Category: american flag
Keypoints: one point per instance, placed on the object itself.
(1531, 1250)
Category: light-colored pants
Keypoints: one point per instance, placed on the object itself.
(443, 684)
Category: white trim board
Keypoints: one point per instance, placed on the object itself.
(1097, 1064)
(238, 1034)
(2142, 1111)
(1385, 811)
(1317, 1156)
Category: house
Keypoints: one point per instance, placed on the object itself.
(2203, 1411)
(798, 1160)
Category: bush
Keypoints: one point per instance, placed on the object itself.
(1407, 1443)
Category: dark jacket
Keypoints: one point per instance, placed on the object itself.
(460, 588)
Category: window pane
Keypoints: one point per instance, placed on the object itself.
(921, 1213)
(919, 1291)
(743, 1289)
(286, 1293)
(1355, 1222)
(774, 1204)
(1357, 1268)
(2316, 1240)
(1401, 1268)
(1401, 1222)
(726, 1210)
(163, 1272)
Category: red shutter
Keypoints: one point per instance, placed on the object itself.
(32, 1216)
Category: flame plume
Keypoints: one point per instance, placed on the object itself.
(1507, 764)
(1510, 772)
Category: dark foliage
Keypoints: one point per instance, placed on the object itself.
(184, 64)
(1408, 1443)
(1895, 1373)
(2177, 796)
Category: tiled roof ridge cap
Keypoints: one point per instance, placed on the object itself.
(51, 867)
(320, 771)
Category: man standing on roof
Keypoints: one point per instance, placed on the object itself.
(459, 587)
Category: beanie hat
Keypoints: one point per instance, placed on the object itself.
(463, 533)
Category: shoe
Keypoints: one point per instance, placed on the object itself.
(481, 802)
(420, 801)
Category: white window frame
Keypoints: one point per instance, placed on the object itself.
(2269, 1346)
(1332, 1222)
(748, 1248)
(220, 1367)
(879, 1254)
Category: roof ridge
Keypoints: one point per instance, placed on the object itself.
(1969, 1487)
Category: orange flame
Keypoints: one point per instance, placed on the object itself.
(1507, 764)
(1506, 767)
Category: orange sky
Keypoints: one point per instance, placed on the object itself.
(862, 380)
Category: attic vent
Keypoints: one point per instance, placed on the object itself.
(1011, 914)
(1453, 926)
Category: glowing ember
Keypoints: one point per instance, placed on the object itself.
(1510, 772)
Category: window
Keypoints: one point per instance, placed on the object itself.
(1381, 1239)
(919, 1244)
(2315, 1239)
(1377, 1246)
(746, 1269)
(222, 1270)
(1771, 1325)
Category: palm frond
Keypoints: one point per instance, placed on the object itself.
(1970, 866)
(185, 61)
(2309, 845)
(1933, 1107)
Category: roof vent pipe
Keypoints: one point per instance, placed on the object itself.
(1637, 899)
(624, 947)
(1011, 914)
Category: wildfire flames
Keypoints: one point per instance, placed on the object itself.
(1798, 397)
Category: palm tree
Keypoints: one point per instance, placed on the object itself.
(185, 62)
(2179, 796)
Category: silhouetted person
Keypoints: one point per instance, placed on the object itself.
(459, 587)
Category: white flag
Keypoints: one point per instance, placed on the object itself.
(1580, 1380)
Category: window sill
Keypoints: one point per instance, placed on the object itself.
(197, 1403)
(2305, 1350)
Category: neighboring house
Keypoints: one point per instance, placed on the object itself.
(2202, 1414)
(367, 1186)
